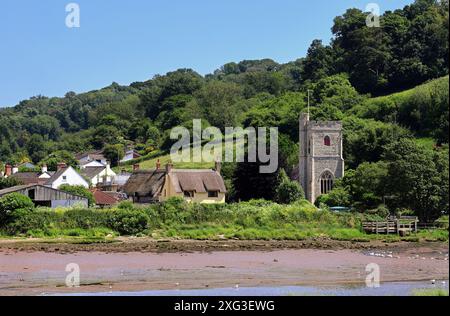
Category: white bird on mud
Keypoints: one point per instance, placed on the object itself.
(433, 282)
(236, 286)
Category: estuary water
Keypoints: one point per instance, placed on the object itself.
(385, 289)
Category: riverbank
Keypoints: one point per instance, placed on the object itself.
(129, 266)
(147, 244)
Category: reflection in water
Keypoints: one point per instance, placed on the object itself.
(386, 289)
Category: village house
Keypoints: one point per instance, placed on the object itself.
(54, 179)
(28, 177)
(130, 154)
(91, 159)
(45, 196)
(99, 175)
(66, 175)
(158, 185)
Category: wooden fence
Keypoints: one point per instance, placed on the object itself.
(401, 226)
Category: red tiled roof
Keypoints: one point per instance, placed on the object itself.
(102, 198)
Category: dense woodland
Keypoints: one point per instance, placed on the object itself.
(389, 86)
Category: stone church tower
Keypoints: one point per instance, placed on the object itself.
(321, 157)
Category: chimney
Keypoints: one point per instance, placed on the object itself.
(44, 168)
(15, 169)
(218, 166)
(169, 167)
(158, 165)
(8, 170)
(61, 165)
(136, 167)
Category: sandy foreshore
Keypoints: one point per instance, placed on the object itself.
(34, 268)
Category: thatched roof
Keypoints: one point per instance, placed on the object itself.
(151, 182)
(145, 183)
(200, 181)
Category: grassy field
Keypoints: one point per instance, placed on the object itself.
(193, 161)
(430, 292)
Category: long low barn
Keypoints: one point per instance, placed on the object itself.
(46, 196)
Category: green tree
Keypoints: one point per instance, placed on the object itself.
(288, 191)
(114, 153)
(367, 184)
(37, 148)
(56, 157)
(415, 178)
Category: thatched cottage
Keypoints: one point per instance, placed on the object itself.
(158, 185)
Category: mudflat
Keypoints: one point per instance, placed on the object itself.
(36, 268)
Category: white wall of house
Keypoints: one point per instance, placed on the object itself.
(45, 176)
(107, 174)
(70, 177)
(129, 155)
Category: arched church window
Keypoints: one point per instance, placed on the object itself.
(326, 182)
(327, 141)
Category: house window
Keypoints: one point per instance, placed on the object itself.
(188, 194)
(213, 194)
(326, 182)
(64, 178)
(327, 141)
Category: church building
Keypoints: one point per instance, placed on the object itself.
(321, 156)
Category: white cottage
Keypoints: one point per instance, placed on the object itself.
(99, 175)
(66, 175)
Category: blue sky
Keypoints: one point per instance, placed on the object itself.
(127, 41)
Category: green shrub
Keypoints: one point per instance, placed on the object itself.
(128, 222)
(381, 211)
(125, 205)
(83, 218)
(288, 191)
(23, 220)
(11, 202)
(442, 222)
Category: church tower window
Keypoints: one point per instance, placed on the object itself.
(326, 182)
(327, 141)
